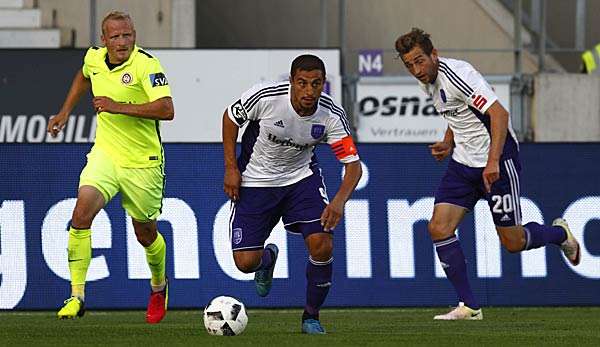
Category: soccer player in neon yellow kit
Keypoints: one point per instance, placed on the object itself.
(131, 96)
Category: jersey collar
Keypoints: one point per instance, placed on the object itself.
(128, 62)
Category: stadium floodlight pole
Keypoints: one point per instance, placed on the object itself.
(518, 42)
(516, 85)
(93, 32)
(542, 40)
(342, 33)
(323, 40)
(580, 24)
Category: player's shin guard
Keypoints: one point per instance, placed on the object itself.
(538, 235)
(318, 282)
(453, 261)
(155, 256)
(79, 254)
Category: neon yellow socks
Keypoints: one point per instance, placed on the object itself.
(155, 256)
(80, 254)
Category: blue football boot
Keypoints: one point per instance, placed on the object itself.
(313, 327)
(264, 278)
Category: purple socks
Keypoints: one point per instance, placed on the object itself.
(318, 281)
(537, 235)
(453, 261)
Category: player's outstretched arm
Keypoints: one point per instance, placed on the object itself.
(498, 127)
(232, 178)
(333, 212)
(79, 86)
(160, 109)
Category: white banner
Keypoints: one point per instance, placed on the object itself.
(204, 82)
(395, 109)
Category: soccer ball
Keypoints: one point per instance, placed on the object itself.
(225, 316)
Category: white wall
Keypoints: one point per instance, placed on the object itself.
(566, 107)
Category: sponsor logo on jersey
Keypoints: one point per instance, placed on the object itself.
(505, 218)
(126, 78)
(279, 123)
(479, 101)
(449, 113)
(287, 142)
(158, 79)
(317, 131)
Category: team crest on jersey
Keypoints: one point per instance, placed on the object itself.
(126, 78)
(317, 131)
(237, 236)
(443, 95)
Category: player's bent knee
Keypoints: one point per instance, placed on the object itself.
(512, 246)
(246, 263)
(439, 231)
(145, 232)
(321, 247)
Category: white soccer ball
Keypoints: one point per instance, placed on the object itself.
(225, 316)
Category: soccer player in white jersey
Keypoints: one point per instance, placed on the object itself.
(484, 164)
(277, 177)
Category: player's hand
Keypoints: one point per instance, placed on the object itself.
(440, 150)
(105, 104)
(231, 183)
(56, 124)
(491, 174)
(331, 215)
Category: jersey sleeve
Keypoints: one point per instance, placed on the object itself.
(341, 142)
(87, 60)
(247, 107)
(154, 80)
(482, 96)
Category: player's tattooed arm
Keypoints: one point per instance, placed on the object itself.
(333, 212)
(499, 128)
(232, 179)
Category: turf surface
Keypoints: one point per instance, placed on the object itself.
(574, 326)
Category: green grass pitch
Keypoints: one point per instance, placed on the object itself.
(523, 326)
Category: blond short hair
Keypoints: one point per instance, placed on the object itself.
(116, 15)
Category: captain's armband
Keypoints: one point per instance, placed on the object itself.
(344, 148)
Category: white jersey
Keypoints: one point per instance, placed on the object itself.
(462, 96)
(278, 144)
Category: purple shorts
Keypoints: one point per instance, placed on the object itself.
(259, 209)
(463, 186)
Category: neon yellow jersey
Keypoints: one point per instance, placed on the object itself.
(131, 141)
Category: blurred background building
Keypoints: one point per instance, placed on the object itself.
(521, 39)
(481, 31)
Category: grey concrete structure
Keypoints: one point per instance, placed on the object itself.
(566, 108)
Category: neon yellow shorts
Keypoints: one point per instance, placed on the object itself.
(141, 189)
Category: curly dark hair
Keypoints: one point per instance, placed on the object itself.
(416, 37)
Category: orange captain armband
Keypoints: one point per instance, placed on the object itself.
(344, 148)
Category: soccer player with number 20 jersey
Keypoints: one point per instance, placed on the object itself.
(484, 164)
